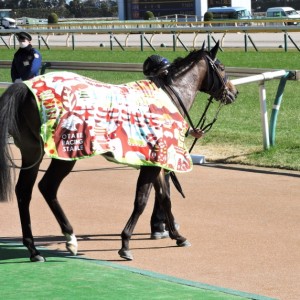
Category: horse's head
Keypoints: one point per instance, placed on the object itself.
(200, 71)
(217, 83)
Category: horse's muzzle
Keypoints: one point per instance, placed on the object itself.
(230, 97)
(231, 92)
(227, 95)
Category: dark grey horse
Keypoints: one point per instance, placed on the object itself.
(19, 116)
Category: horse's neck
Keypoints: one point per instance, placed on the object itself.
(183, 94)
(189, 82)
(179, 94)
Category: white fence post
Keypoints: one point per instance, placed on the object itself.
(264, 115)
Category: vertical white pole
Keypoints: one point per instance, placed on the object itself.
(264, 115)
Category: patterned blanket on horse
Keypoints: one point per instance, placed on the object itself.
(134, 123)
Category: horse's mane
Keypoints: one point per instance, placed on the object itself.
(180, 65)
(181, 62)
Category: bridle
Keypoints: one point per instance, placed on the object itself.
(219, 94)
(214, 73)
(214, 81)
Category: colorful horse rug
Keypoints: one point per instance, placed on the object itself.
(134, 124)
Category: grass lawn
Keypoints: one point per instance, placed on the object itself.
(237, 135)
(66, 278)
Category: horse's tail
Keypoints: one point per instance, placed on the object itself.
(10, 102)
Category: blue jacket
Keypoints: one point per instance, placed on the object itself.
(26, 63)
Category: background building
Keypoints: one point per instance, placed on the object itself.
(136, 9)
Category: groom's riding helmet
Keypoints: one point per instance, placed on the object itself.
(155, 65)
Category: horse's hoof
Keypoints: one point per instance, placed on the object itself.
(37, 258)
(72, 248)
(126, 254)
(186, 243)
(159, 235)
(71, 244)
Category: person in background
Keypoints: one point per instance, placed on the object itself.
(26, 63)
(156, 66)
(27, 60)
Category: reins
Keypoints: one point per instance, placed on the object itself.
(182, 106)
(202, 119)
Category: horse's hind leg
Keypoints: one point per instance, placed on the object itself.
(48, 186)
(28, 141)
(144, 184)
(24, 188)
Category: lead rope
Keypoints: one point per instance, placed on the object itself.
(207, 127)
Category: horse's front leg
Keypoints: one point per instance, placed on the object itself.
(48, 186)
(162, 190)
(145, 182)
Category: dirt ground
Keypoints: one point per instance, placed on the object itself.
(243, 224)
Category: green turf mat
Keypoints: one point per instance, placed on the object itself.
(68, 278)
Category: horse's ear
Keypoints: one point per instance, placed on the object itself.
(203, 46)
(214, 50)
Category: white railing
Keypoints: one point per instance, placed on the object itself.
(244, 73)
(261, 78)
